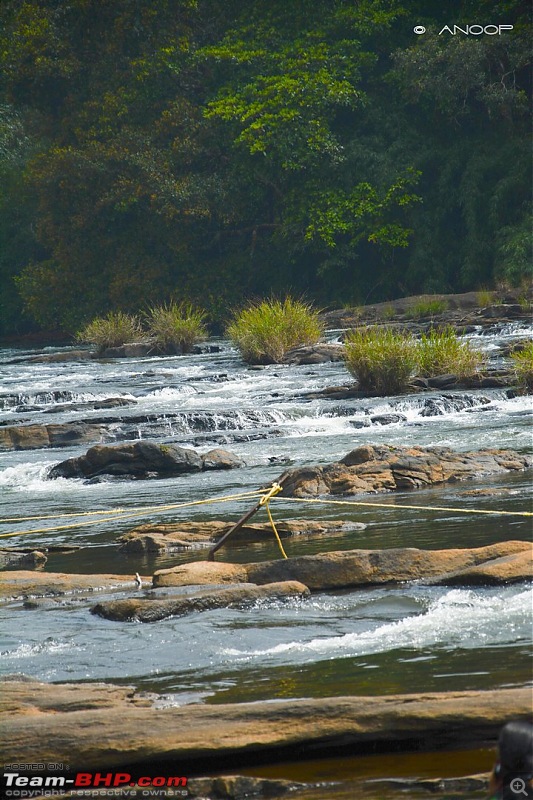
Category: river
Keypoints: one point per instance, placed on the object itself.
(375, 641)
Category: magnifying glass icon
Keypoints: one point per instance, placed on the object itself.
(518, 786)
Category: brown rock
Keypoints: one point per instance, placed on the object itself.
(11, 558)
(373, 567)
(22, 583)
(97, 727)
(380, 468)
(201, 572)
(32, 437)
(221, 459)
(239, 787)
(342, 569)
(513, 568)
(165, 538)
(153, 609)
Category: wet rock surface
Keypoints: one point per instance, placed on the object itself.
(24, 583)
(350, 568)
(512, 568)
(101, 727)
(166, 537)
(142, 460)
(11, 558)
(32, 437)
(152, 609)
(382, 468)
(314, 354)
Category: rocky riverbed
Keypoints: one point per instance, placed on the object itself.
(381, 608)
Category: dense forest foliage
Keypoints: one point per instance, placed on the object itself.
(216, 150)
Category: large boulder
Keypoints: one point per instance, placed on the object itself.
(152, 609)
(97, 727)
(141, 460)
(381, 468)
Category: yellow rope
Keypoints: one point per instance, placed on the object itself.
(265, 501)
(417, 508)
(139, 513)
(120, 513)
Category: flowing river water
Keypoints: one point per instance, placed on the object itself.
(405, 638)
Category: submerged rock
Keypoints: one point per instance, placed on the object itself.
(100, 727)
(380, 468)
(349, 568)
(11, 558)
(142, 460)
(166, 537)
(152, 609)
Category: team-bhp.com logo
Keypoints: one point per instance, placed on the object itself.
(469, 30)
(84, 783)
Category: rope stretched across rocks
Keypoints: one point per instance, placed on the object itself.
(119, 513)
(405, 505)
(265, 495)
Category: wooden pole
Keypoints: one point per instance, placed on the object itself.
(249, 514)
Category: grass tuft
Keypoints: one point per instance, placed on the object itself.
(265, 331)
(484, 298)
(176, 326)
(113, 330)
(523, 366)
(441, 352)
(382, 360)
(427, 308)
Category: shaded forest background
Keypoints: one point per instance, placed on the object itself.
(218, 150)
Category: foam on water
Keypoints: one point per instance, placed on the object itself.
(48, 647)
(460, 617)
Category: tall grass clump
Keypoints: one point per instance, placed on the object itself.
(427, 308)
(441, 352)
(265, 331)
(382, 360)
(485, 297)
(113, 330)
(523, 366)
(176, 327)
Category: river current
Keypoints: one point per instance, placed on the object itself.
(373, 641)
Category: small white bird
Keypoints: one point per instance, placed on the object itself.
(138, 581)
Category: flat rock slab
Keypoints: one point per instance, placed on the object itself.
(98, 727)
(166, 537)
(24, 583)
(349, 568)
(384, 468)
(152, 609)
(513, 568)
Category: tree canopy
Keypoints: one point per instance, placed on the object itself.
(209, 152)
